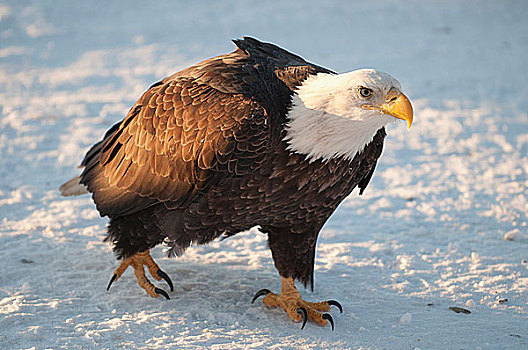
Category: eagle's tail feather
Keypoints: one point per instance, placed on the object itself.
(73, 187)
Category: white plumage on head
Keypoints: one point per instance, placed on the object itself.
(330, 118)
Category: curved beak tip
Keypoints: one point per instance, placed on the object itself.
(401, 108)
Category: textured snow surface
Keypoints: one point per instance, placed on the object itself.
(443, 224)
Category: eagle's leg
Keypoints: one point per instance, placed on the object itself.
(293, 254)
(298, 309)
(138, 261)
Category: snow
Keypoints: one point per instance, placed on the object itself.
(443, 224)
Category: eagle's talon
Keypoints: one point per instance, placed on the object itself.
(330, 319)
(304, 314)
(335, 303)
(138, 262)
(167, 279)
(162, 292)
(260, 293)
(298, 310)
(111, 281)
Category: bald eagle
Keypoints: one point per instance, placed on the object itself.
(256, 137)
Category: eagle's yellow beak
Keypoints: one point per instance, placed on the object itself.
(399, 106)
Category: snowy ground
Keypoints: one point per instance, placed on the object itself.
(444, 222)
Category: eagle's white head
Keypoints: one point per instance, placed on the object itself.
(337, 115)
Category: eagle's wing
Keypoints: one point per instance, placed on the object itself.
(178, 139)
(370, 159)
(217, 118)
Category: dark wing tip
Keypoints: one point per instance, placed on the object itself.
(256, 47)
(282, 57)
(251, 39)
(246, 41)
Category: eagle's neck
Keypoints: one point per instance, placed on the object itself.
(317, 127)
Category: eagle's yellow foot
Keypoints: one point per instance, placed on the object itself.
(298, 309)
(138, 261)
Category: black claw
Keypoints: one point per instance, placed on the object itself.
(335, 303)
(111, 281)
(167, 279)
(329, 318)
(260, 293)
(162, 292)
(302, 311)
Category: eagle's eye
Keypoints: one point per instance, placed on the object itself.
(365, 92)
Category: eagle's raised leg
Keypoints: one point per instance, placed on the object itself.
(298, 309)
(138, 261)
